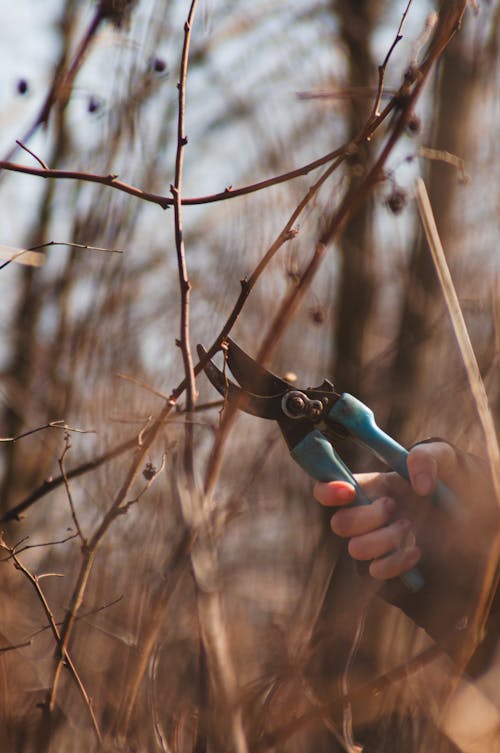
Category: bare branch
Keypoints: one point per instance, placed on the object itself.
(67, 446)
(38, 159)
(382, 68)
(65, 656)
(57, 424)
(166, 201)
(75, 245)
(185, 285)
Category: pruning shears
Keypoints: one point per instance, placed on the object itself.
(311, 420)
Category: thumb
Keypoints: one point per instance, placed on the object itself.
(427, 461)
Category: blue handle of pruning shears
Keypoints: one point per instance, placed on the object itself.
(317, 457)
(359, 420)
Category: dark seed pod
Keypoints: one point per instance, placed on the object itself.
(396, 201)
(93, 105)
(22, 86)
(414, 124)
(159, 65)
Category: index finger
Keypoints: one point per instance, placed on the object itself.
(334, 493)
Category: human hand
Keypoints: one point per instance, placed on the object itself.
(403, 525)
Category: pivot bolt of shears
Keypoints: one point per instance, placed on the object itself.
(296, 404)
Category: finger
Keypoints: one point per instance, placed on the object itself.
(382, 485)
(334, 493)
(395, 564)
(428, 461)
(379, 543)
(357, 521)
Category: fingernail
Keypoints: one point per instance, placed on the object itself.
(423, 483)
(345, 493)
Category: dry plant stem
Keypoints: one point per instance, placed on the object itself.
(155, 623)
(83, 616)
(382, 68)
(185, 286)
(408, 94)
(16, 512)
(492, 574)
(38, 159)
(286, 234)
(246, 286)
(213, 638)
(449, 23)
(167, 201)
(90, 550)
(281, 734)
(70, 244)
(65, 657)
(59, 423)
(67, 446)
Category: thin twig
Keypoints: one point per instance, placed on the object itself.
(14, 647)
(247, 285)
(141, 383)
(451, 20)
(166, 201)
(16, 512)
(89, 552)
(67, 447)
(408, 94)
(26, 149)
(18, 549)
(154, 624)
(62, 650)
(382, 68)
(71, 244)
(57, 424)
(81, 617)
(185, 286)
(441, 155)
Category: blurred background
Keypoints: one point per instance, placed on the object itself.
(217, 646)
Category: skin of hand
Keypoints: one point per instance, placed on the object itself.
(403, 524)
